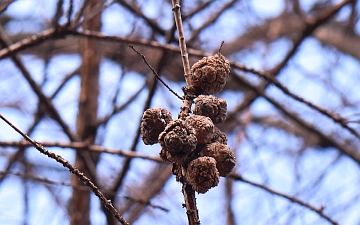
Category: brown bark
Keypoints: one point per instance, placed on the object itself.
(87, 118)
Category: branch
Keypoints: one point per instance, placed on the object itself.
(83, 188)
(27, 42)
(58, 14)
(155, 73)
(83, 145)
(35, 39)
(268, 77)
(188, 192)
(4, 4)
(53, 112)
(319, 211)
(119, 108)
(72, 169)
(135, 9)
(182, 42)
(352, 153)
(215, 16)
(311, 25)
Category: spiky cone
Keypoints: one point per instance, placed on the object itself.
(209, 75)
(153, 122)
(211, 106)
(204, 127)
(225, 158)
(202, 174)
(177, 141)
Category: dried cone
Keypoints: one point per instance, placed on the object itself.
(209, 75)
(177, 141)
(204, 127)
(219, 136)
(202, 174)
(153, 123)
(225, 158)
(213, 107)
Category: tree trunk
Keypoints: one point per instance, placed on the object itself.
(87, 118)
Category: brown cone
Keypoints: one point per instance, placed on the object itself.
(153, 123)
(225, 158)
(177, 141)
(204, 127)
(202, 174)
(219, 136)
(211, 106)
(209, 75)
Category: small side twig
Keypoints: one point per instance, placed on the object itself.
(70, 11)
(156, 74)
(58, 14)
(72, 169)
(319, 211)
(221, 45)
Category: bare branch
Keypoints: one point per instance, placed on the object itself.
(319, 211)
(71, 168)
(272, 79)
(156, 74)
(83, 188)
(58, 14)
(188, 192)
(4, 4)
(82, 145)
(182, 42)
(352, 153)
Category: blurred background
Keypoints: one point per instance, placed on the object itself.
(70, 81)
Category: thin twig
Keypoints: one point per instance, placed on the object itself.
(70, 11)
(137, 11)
(221, 45)
(118, 108)
(319, 211)
(156, 74)
(82, 145)
(58, 14)
(83, 188)
(210, 20)
(72, 169)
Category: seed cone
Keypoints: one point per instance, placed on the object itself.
(153, 123)
(177, 141)
(225, 158)
(202, 174)
(203, 126)
(213, 107)
(219, 136)
(208, 76)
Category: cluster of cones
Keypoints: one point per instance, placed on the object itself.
(194, 142)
